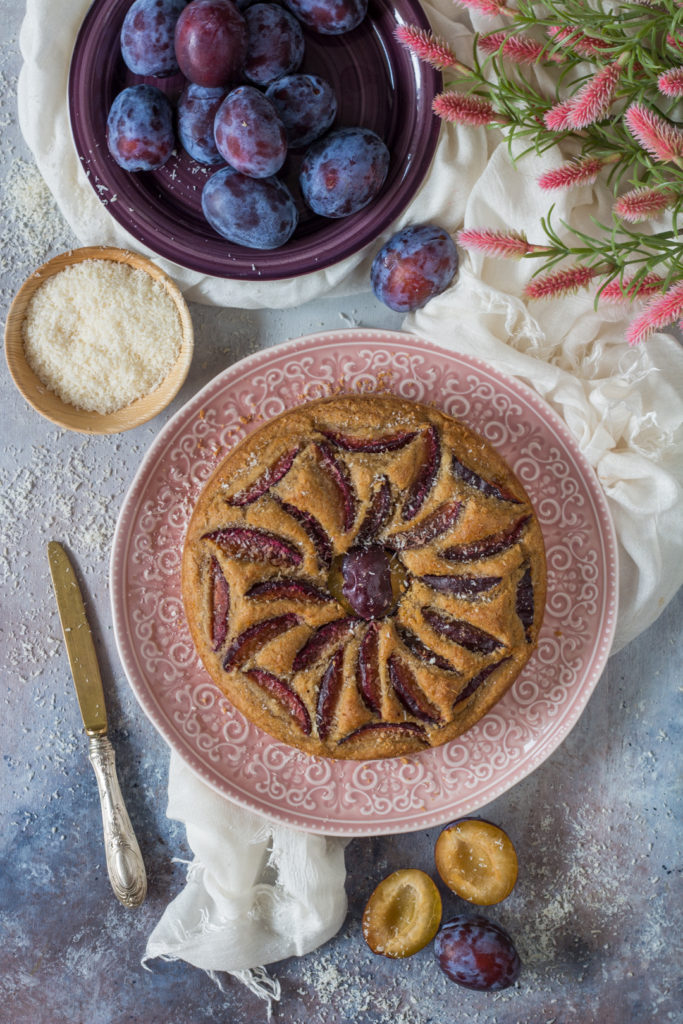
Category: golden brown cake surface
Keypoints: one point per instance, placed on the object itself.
(364, 577)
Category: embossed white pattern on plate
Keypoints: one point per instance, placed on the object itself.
(351, 798)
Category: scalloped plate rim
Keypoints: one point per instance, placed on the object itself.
(547, 744)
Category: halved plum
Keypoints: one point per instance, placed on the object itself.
(403, 914)
(339, 474)
(270, 476)
(434, 525)
(477, 860)
(426, 477)
(377, 515)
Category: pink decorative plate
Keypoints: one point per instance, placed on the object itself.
(372, 797)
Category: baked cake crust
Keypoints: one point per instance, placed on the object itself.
(364, 577)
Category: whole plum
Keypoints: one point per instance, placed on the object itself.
(476, 953)
(342, 172)
(147, 37)
(275, 43)
(197, 108)
(249, 134)
(331, 18)
(140, 128)
(210, 42)
(256, 212)
(306, 105)
(416, 263)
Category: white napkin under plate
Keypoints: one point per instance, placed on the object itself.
(258, 891)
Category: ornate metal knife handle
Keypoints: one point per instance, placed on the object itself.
(124, 861)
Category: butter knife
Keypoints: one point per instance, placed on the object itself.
(124, 861)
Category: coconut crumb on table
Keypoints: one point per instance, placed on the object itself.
(101, 334)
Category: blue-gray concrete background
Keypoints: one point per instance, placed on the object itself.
(596, 911)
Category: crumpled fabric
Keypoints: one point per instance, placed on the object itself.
(256, 891)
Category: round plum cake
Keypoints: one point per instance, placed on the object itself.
(364, 577)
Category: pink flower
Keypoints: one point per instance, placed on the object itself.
(495, 243)
(670, 83)
(491, 7)
(660, 138)
(574, 38)
(560, 282)
(660, 311)
(462, 109)
(593, 100)
(641, 203)
(426, 46)
(576, 172)
(521, 49)
(557, 119)
(625, 291)
(492, 42)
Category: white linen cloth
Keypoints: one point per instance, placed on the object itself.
(257, 891)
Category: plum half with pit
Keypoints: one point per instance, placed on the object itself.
(477, 954)
(403, 914)
(210, 42)
(343, 172)
(140, 133)
(415, 264)
(148, 35)
(477, 860)
(258, 213)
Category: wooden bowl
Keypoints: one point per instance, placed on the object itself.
(46, 402)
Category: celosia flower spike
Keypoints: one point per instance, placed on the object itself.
(560, 282)
(658, 137)
(462, 109)
(625, 291)
(491, 42)
(642, 203)
(660, 311)
(428, 47)
(521, 48)
(496, 243)
(670, 83)
(574, 38)
(491, 7)
(576, 172)
(593, 100)
(557, 119)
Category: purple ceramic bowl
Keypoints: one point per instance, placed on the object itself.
(379, 85)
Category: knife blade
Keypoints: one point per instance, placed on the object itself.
(125, 866)
(78, 640)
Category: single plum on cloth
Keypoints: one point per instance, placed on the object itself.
(256, 891)
(624, 404)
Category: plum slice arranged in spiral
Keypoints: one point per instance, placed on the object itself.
(373, 573)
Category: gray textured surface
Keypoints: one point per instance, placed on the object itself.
(594, 911)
